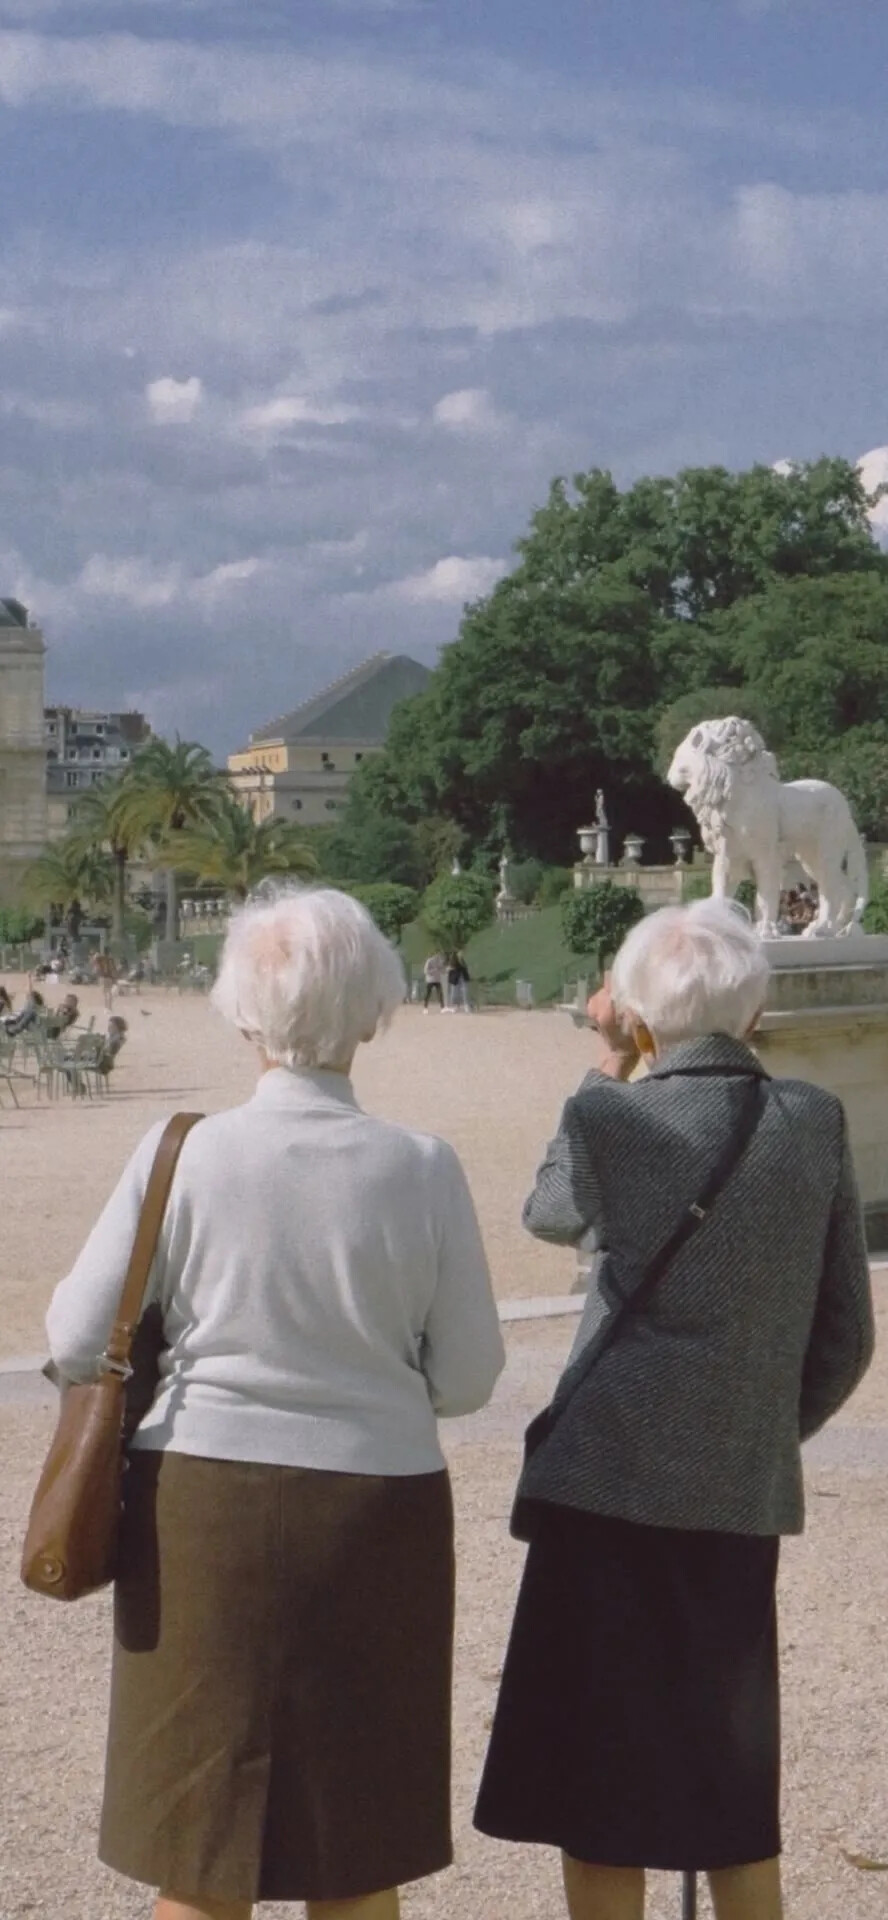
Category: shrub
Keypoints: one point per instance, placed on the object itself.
(457, 905)
(555, 883)
(17, 926)
(875, 919)
(526, 877)
(391, 906)
(596, 920)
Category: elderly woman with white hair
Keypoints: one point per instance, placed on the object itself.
(280, 1705)
(729, 1317)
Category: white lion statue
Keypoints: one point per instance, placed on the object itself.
(753, 824)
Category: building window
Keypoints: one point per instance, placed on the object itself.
(331, 805)
(71, 779)
(358, 756)
(97, 753)
(297, 806)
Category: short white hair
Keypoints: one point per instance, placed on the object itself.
(688, 971)
(307, 975)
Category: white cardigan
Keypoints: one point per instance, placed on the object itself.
(323, 1281)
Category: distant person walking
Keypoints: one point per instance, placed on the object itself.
(281, 1697)
(458, 981)
(433, 973)
(638, 1719)
(105, 969)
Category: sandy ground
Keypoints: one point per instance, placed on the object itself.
(54, 1667)
(493, 1085)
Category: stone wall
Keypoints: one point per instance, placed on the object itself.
(658, 886)
(22, 753)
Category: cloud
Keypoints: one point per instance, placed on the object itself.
(133, 580)
(174, 402)
(56, 414)
(210, 587)
(292, 410)
(873, 469)
(451, 582)
(467, 410)
(416, 285)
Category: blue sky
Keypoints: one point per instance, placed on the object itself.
(304, 303)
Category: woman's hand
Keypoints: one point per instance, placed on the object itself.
(622, 1050)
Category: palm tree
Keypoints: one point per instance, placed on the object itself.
(67, 875)
(237, 852)
(168, 791)
(99, 821)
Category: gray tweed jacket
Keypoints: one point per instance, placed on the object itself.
(758, 1331)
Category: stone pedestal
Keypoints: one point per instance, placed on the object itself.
(826, 1020)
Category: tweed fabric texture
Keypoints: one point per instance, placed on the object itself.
(761, 1327)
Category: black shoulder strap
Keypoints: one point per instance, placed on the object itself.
(691, 1219)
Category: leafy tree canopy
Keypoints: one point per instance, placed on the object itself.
(392, 907)
(628, 614)
(457, 905)
(597, 919)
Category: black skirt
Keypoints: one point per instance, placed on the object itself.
(638, 1722)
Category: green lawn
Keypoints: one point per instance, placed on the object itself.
(530, 949)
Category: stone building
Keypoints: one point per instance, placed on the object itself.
(22, 753)
(299, 766)
(84, 746)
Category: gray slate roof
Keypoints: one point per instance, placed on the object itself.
(13, 614)
(356, 707)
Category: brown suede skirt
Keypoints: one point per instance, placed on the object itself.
(280, 1700)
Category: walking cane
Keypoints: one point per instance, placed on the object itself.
(689, 1897)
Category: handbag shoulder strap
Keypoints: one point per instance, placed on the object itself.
(692, 1218)
(116, 1357)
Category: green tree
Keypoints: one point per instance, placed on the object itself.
(235, 851)
(595, 920)
(17, 926)
(371, 843)
(170, 789)
(813, 653)
(457, 905)
(99, 822)
(711, 703)
(68, 877)
(391, 906)
(858, 765)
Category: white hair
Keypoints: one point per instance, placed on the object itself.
(688, 971)
(307, 975)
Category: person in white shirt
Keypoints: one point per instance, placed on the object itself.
(433, 973)
(284, 1611)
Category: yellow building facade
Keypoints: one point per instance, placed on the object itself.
(298, 767)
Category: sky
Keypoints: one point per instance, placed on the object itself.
(303, 304)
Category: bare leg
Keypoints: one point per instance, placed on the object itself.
(169, 1909)
(748, 1893)
(602, 1893)
(376, 1906)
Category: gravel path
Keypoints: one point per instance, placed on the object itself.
(53, 1677)
(494, 1086)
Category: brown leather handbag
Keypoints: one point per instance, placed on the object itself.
(71, 1543)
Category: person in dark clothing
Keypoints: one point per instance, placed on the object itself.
(638, 1720)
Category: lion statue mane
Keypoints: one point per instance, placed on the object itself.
(753, 824)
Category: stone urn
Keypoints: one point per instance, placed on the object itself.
(633, 847)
